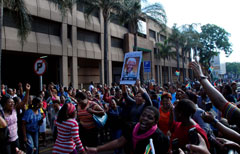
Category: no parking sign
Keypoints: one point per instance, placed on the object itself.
(40, 67)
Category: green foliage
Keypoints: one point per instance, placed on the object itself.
(233, 68)
(64, 5)
(21, 17)
(165, 50)
(213, 39)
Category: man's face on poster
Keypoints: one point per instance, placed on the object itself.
(130, 65)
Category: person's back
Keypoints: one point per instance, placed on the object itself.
(66, 134)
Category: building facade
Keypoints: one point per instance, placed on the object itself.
(74, 47)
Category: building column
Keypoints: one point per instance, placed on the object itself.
(75, 72)
(161, 75)
(109, 72)
(169, 74)
(158, 77)
(64, 70)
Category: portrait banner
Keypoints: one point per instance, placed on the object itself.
(131, 67)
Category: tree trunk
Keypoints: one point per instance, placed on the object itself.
(135, 38)
(183, 66)
(1, 24)
(106, 78)
(135, 42)
(177, 48)
(164, 72)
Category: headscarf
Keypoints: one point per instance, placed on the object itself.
(71, 108)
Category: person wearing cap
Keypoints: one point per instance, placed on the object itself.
(166, 114)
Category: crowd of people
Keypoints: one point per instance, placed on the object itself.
(201, 118)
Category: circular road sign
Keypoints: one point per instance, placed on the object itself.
(40, 66)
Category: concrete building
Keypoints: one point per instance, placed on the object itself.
(74, 47)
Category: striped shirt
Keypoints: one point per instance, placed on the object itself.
(67, 137)
(85, 118)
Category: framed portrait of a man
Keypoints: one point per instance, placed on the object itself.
(131, 67)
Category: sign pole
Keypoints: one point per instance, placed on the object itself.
(41, 83)
(40, 68)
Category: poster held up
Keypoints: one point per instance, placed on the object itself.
(131, 67)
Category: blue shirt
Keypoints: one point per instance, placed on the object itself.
(173, 97)
(32, 120)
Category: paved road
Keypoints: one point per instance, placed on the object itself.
(49, 144)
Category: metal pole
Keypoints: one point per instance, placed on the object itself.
(41, 83)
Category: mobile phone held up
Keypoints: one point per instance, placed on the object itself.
(175, 146)
(193, 136)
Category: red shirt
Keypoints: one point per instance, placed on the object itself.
(163, 123)
(181, 132)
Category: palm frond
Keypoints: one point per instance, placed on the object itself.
(21, 17)
(64, 5)
(157, 12)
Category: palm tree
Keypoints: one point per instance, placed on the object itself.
(165, 52)
(176, 38)
(190, 40)
(107, 7)
(22, 19)
(132, 13)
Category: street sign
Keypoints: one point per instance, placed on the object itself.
(40, 67)
(147, 66)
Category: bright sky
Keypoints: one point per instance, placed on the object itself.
(225, 14)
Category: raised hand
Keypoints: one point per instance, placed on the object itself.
(196, 68)
(208, 117)
(28, 87)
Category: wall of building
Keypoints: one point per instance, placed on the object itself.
(77, 41)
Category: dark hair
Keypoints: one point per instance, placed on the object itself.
(4, 100)
(228, 89)
(15, 99)
(153, 94)
(81, 95)
(167, 95)
(63, 113)
(39, 93)
(35, 102)
(192, 96)
(186, 107)
(155, 110)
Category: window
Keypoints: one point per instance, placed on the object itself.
(46, 26)
(8, 20)
(69, 32)
(88, 36)
(82, 8)
(155, 51)
(152, 34)
(38, 24)
(162, 37)
(116, 42)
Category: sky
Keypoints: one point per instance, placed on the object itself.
(223, 13)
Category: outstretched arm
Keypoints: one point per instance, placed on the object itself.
(216, 97)
(231, 112)
(227, 132)
(117, 143)
(146, 97)
(26, 97)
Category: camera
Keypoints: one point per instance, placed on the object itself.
(175, 146)
(193, 136)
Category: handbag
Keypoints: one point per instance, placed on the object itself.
(100, 120)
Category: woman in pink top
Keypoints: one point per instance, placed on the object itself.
(67, 138)
(10, 115)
